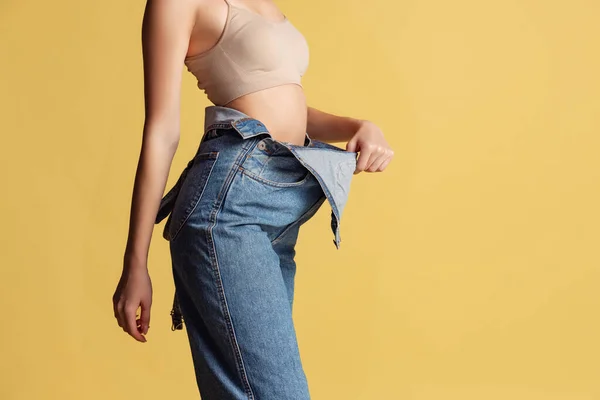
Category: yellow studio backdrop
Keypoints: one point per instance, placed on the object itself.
(468, 270)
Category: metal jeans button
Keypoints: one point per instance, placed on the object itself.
(261, 145)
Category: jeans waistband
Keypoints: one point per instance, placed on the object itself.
(246, 125)
(332, 166)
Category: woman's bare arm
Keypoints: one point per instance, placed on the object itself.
(330, 128)
(166, 30)
(360, 135)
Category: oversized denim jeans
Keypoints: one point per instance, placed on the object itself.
(235, 214)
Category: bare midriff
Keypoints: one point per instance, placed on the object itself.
(282, 109)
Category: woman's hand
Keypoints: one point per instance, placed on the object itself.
(374, 151)
(133, 290)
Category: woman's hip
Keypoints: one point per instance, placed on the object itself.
(255, 181)
(241, 175)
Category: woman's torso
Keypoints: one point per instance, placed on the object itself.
(281, 108)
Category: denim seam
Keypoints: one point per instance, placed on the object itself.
(334, 210)
(338, 170)
(268, 153)
(212, 157)
(235, 123)
(219, 125)
(213, 255)
(323, 186)
(258, 178)
(302, 218)
(325, 149)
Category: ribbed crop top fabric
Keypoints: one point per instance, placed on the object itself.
(252, 53)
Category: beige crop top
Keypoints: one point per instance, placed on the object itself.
(252, 53)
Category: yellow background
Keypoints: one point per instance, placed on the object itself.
(469, 269)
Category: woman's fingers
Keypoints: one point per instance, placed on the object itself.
(379, 164)
(130, 322)
(145, 317)
(134, 290)
(385, 163)
(121, 317)
(119, 314)
(373, 158)
(363, 159)
(377, 157)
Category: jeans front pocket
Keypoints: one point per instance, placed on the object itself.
(190, 192)
(275, 165)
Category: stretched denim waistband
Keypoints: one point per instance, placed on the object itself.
(246, 125)
(332, 166)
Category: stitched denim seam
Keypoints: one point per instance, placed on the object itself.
(235, 123)
(218, 125)
(334, 210)
(323, 186)
(258, 178)
(213, 256)
(302, 218)
(269, 154)
(325, 149)
(212, 156)
(338, 170)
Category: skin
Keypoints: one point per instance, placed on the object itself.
(172, 30)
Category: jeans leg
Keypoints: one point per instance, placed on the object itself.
(285, 245)
(286, 252)
(216, 377)
(255, 300)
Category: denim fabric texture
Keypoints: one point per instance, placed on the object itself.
(234, 217)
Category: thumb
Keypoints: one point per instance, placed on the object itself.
(145, 316)
(351, 145)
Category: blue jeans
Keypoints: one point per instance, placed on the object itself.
(235, 215)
